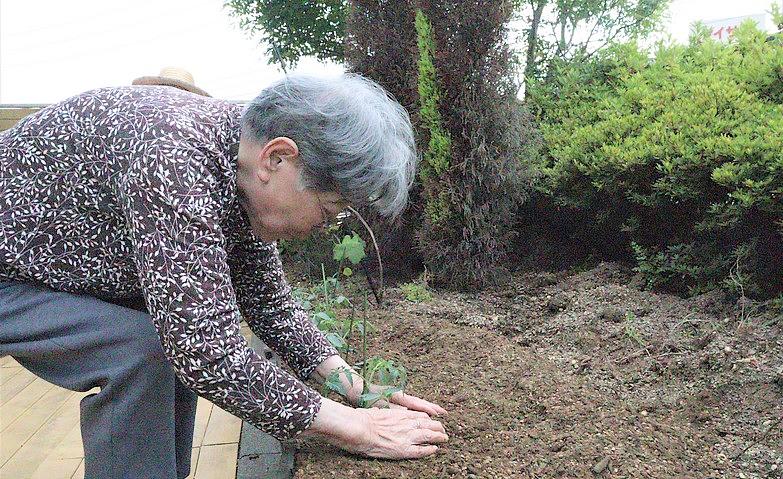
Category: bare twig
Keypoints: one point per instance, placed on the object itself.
(734, 275)
(378, 296)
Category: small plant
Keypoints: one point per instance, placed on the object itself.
(417, 291)
(334, 383)
(674, 269)
(325, 303)
(776, 304)
(384, 372)
(631, 330)
(352, 249)
(776, 310)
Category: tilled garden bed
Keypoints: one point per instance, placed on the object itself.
(582, 375)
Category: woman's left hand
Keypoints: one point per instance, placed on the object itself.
(401, 400)
(355, 386)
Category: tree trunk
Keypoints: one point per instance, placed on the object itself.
(532, 43)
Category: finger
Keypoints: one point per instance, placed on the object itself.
(426, 436)
(432, 425)
(418, 404)
(415, 451)
(438, 410)
(397, 406)
(416, 414)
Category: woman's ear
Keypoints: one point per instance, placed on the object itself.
(272, 154)
(276, 150)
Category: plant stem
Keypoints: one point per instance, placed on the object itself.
(366, 272)
(364, 344)
(350, 326)
(379, 297)
(323, 279)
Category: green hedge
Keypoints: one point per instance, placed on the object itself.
(678, 158)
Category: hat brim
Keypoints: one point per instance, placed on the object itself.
(164, 81)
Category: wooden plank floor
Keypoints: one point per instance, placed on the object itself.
(40, 435)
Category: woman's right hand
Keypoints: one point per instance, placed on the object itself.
(380, 433)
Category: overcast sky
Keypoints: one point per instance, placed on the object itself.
(51, 49)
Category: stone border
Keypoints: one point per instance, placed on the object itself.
(260, 455)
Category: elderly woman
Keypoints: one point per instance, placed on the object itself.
(156, 193)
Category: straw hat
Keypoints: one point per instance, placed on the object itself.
(172, 76)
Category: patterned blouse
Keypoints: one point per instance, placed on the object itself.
(122, 192)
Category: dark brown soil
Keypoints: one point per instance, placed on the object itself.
(582, 375)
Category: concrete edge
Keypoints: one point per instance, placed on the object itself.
(260, 456)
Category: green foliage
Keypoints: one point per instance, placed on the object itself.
(334, 383)
(350, 248)
(559, 32)
(334, 314)
(438, 152)
(631, 329)
(472, 196)
(384, 372)
(777, 15)
(416, 292)
(680, 156)
(324, 302)
(293, 29)
(677, 264)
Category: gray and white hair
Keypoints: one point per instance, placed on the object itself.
(353, 137)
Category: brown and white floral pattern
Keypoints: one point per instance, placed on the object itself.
(120, 192)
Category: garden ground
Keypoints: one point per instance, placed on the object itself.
(582, 375)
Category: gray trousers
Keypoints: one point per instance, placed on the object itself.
(140, 424)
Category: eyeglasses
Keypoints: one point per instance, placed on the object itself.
(329, 219)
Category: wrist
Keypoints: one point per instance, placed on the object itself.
(335, 421)
(351, 380)
(323, 370)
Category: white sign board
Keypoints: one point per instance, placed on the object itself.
(724, 28)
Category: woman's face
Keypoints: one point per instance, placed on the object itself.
(268, 179)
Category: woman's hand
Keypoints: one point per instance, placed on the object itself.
(400, 400)
(354, 386)
(380, 433)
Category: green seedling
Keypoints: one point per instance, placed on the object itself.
(350, 248)
(416, 292)
(334, 383)
(631, 330)
(383, 372)
(326, 303)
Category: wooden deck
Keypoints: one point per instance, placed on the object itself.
(40, 435)
(10, 114)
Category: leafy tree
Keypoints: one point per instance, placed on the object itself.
(556, 31)
(293, 29)
(462, 97)
(380, 44)
(480, 141)
(565, 30)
